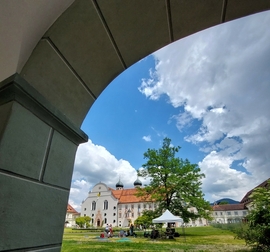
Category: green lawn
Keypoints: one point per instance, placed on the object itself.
(195, 239)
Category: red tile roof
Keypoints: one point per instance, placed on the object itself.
(70, 209)
(127, 196)
(246, 198)
(229, 207)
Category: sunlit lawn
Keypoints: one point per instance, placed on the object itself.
(195, 239)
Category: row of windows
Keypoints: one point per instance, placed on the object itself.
(139, 206)
(104, 214)
(127, 214)
(105, 220)
(105, 205)
(194, 222)
(229, 213)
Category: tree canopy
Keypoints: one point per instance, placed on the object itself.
(257, 232)
(146, 219)
(175, 184)
(83, 221)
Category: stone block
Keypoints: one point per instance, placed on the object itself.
(32, 214)
(60, 161)
(23, 142)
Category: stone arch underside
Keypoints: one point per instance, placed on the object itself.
(44, 103)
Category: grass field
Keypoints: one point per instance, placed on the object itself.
(201, 239)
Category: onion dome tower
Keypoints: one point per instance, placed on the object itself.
(137, 183)
(119, 185)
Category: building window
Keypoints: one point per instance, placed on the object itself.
(126, 206)
(132, 206)
(92, 215)
(105, 207)
(84, 215)
(105, 214)
(93, 205)
(132, 214)
(119, 215)
(139, 206)
(144, 206)
(114, 207)
(235, 213)
(105, 220)
(155, 206)
(215, 213)
(229, 213)
(84, 209)
(113, 221)
(120, 207)
(244, 212)
(114, 214)
(221, 213)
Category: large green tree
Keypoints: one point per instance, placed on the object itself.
(175, 184)
(257, 231)
(146, 218)
(83, 221)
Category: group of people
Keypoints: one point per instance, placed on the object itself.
(128, 232)
(109, 232)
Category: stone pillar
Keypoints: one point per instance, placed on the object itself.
(37, 151)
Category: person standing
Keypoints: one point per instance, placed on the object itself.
(111, 230)
(131, 228)
(107, 229)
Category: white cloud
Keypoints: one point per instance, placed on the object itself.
(93, 164)
(182, 120)
(147, 138)
(221, 78)
(223, 181)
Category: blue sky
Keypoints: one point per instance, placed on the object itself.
(209, 93)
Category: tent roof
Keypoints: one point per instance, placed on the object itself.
(167, 216)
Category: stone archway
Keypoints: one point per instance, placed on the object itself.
(45, 97)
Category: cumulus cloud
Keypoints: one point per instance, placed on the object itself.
(220, 77)
(95, 164)
(147, 138)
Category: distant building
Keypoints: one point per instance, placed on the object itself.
(247, 200)
(118, 206)
(197, 222)
(232, 213)
(71, 216)
(229, 213)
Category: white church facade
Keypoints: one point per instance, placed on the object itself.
(118, 207)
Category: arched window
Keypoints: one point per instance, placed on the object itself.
(106, 205)
(93, 205)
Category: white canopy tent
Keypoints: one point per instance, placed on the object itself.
(166, 217)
